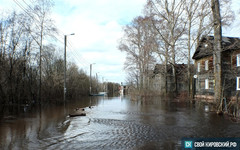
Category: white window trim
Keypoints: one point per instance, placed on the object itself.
(198, 67)
(206, 65)
(237, 83)
(206, 84)
(238, 60)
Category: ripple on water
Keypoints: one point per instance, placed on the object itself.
(123, 133)
(112, 130)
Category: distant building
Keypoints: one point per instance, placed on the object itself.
(123, 89)
(164, 82)
(204, 68)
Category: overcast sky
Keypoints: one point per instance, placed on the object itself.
(97, 25)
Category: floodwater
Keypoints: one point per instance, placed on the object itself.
(114, 123)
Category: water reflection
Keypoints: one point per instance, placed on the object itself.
(114, 123)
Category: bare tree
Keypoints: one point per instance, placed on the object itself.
(138, 42)
(168, 20)
(182, 22)
(40, 13)
(21, 37)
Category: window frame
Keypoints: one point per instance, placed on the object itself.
(206, 65)
(238, 60)
(237, 83)
(206, 84)
(198, 67)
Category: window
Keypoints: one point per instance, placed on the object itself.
(211, 84)
(238, 83)
(206, 65)
(198, 67)
(238, 60)
(202, 84)
(206, 84)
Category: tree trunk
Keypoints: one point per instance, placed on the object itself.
(166, 69)
(175, 90)
(189, 55)
(166, 76)
(217, 49)
(40, 63)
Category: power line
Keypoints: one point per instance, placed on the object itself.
(19, 5)
(23, 8)
(33, 17)
(75, 55)
(69, 42)
(79, 55)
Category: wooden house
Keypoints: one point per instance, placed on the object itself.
(204, 68)
(164, 82)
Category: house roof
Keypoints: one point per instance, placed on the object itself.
(205, 47)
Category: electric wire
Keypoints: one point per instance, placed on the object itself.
(22, 7)
(77, 57)
(34, 18)
(59, 39)
(86, 62)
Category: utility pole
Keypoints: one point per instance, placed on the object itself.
(97, 82)
(97, 77)
(65, 66)
(65, 62)
(90, 90)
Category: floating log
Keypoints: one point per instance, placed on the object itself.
(79, 109)
(78, 112)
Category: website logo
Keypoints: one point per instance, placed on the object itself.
(188, 144)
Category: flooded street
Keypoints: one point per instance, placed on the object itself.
(114, 123)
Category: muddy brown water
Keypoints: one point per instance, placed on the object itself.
(113, 123)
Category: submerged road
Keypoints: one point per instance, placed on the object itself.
(114, 123)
